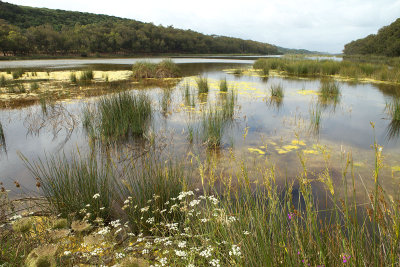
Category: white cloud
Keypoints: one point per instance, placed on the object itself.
(314, 24)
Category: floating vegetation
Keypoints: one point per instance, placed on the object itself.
(165, 69)
(223, 85)
(119, 116)
(202, 84)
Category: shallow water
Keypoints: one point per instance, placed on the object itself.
(277, 131)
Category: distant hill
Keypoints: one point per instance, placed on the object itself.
(283, 50)
(27, 30)
(386, 42)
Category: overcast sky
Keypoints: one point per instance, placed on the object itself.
(321, 25)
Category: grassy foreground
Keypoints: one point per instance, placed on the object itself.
(184, 212)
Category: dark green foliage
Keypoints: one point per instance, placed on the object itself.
(57, 32)
(386, 42)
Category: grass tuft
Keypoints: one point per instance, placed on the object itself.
(202, 84)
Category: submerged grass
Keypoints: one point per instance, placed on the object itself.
(118, 116)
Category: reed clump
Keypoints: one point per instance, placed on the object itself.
(318, 68)
(165, 69)
(202, 84)
(223, 85)
(277, 91)
(3, 81)
(119, 116)
(86, 76)
(329, 92)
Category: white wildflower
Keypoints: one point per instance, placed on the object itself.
(102, 208)
(163, 261)
(15, 217)
(88, 205)
(182, 244)
(194, 202)
(67, 253)
(184, 194)
(119, 255)
(115, 223)
(207, 252)
(104, 230)
(213, 200)
(150, 220)
(215, 263)
(145, 251)
(246, 232)
(145, 209)
(235, 251)
(97, 195)
(180, 253)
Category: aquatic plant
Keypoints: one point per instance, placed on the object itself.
(34, 87)
(228, 104)
(86, 76)
(276, 91)
(165, 101)
(212, 123)
(315, 118)
(188, 98)
(329, 92)
(119, 116)
(165, 69)
(3, 81)
(72, 77)
(2, 136)
(392, 108)
(223, 85)
(17, 74)
(238, 71)
(202, 84)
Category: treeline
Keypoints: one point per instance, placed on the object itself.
(27, 30)
(385, 43)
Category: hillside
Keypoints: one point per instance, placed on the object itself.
(386, 42)
(28, 30)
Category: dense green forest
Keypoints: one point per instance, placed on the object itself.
(28, 30)
(386, 42)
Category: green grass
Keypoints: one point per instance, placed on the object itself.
(392, 108)
(315, 118)
(86, 76)
(318, 68)
(3, 81)
(188, 97)
(239, 221)
(228, 104)
(329, 92)
(223, 85)
(212, 125)
(277, 91)
(151, 182)
(34, 87)
(17, 74)
(165, 69)
(202, 84)
(69, 185)
(165, 101)
(119, 116)
(72, 77)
